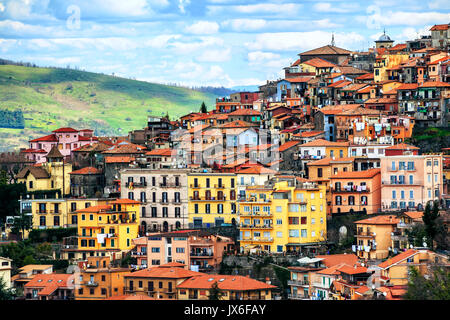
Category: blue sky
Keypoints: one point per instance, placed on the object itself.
(200, 42)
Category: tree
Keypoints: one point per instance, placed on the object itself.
(436, 287)
(5, 293)
(429, 218)
(203, 108)
(21, 224)
(215, 293)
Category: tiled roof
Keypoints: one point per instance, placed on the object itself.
(125, 201)
(439, 27)
(37, 172)
(238, 124)
(54, 153)
(95, 209)
(380, 100)
(288, 145)
(356, 269)
(50, 282)
(319, 63)
(355, 87)
(398, 258)
(367, 76)
(335, 259)
(340, 84)
(362, 290)
(167, 273)
(327, 50)
(325, 143)
(225, 282)
(87, 170)
(245, 112)
(124, 148)
(402, 146)
(65, 130)
(407, 86)
(167, 152)
(49, 138)
(118, 159)
(298, 79)
(415, 215)
(350, 70)
(357, 174)
(337, 109)
(256, 170)
(308, 134)
(432, 84)
(389, 219)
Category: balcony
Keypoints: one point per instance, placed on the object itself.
(219, 186)
(208, 198)
(366, 234)
(91, 283)
(194, 186)
(253, 200)
(250, 226)
(170, 185)
(257, 215)
(357, 189)
(138, 254)
(202, 254)
(298, 283)
(136, 184)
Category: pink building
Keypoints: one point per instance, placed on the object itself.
(67, 139)
(410, 181)
(199, 250)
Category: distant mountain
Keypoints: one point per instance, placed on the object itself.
(35, 101)
(250, 88)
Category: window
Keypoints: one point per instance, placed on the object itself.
(294, 233)
(279, 234)
(351, 200)
(279, 221)
(303, 220)
(293, 220)
(155, 250)
(179, 250)
(293, 208)
(338, 200)
(304, 233)
(279, 209)
(319, 172)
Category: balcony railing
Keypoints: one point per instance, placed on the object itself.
(365, 234)
(201, 254)
(208, 198)
(361, 189)
(298, 297)
(258, 226)
(298, 283)
(136, 184)
(91, 283)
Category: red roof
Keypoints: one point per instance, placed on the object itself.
(50, 282)
(308, 134)
(245, 112)
(335, 259)
(357, 174)
(87, 170)
(325, 143)
(125, 201)
(65, 130)
(49, 138)
(432, 84)
(439, 27)
(367, 76)
(389, 219)
(402, 146)
(288, 145)
(352, 269)
(118, 159)
(225, 282)
(167, 152)
(256, 170)
(398, 258)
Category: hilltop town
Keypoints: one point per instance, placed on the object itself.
(323, 185)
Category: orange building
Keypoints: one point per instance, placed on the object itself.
(356, 191)
(99, 280)
(373, 237)
(159, 282)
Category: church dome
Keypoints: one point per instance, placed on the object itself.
(384, 37)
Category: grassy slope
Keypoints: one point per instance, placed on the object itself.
(52, 98)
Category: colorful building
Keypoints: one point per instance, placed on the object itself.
(50, 287)
(212, 199)
(373, 237)
(98, 280)
(107, 230)
(283, 215)
(357, 191)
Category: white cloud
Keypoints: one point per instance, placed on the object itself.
(253, 25)
(203, 27)
(265, 9)
(259, 56)
(219, 55)
(2, 7)
(403, 18)
(339, 8)
(245, 24)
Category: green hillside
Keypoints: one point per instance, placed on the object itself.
(50, 98)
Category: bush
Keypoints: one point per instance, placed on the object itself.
(51, 235)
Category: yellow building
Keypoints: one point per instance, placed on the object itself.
(5, 271)
(51, 175)
(108, 230)
(385, 67)
(211, 199)
(59, 213)
(283, 215)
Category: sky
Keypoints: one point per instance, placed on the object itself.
(201, 42)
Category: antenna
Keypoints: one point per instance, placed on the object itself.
(332, 39)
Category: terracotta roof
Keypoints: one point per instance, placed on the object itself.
(402, 146)
(407, 86)
(87, 170)
(95, 209)
(432, 84)
(99, 147)
(355, 87)
(361, 290)
(256, 170)
(415, 215)
(337, 109)
(245, 112)
(356, 269)
(118, 159)
(167, 152)
(333, 270)
(37, 172)
(439, 27)
(398, 258)
(325, 143)
(125, 148)
(225, 282)
(357, 174)
(238, 124)
(389, 219)
(49, 138)
(50, 282)
(437, 61)
(340, 84)
(327, 50)
(335, 259)
(380, 100)
(319, 63)
(288, 145)
(350, 70)
(367, 76)
(65, 130)
(167, 273)
(308, 134)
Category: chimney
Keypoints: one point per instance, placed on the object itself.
(268, 280)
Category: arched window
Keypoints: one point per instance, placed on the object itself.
(364, 200)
